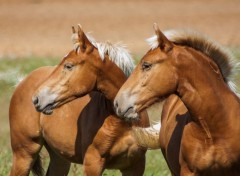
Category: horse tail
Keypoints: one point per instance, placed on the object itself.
(148, 137)
(37, 168)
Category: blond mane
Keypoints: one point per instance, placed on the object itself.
(221, 56)
(117, 53)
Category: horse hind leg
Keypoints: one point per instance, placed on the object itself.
(58, 166)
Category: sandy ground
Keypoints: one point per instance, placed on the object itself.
(43, 28)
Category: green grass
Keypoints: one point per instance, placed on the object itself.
(11, 70)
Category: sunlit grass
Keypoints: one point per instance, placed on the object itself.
(11, 70)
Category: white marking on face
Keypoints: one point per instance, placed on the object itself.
(46, 97)
(126, 105)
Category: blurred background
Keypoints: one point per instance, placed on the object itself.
(34, 33)
(43, 27)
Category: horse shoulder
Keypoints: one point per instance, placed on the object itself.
(174, 119)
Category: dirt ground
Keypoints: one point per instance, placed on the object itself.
(43, 27)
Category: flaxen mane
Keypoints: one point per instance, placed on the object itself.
(223, 58)
(116, 52)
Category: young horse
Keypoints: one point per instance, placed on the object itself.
(194, 69)
(84, 129)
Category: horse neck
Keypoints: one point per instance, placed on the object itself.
(209, 102)
(110, 79)
(109, 82)
(110, 87)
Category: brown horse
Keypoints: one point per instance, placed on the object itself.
(195, 69)
(84, 130)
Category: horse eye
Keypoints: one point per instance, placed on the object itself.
(146, 66)
(68, 66)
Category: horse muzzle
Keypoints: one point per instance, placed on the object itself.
(44, 102)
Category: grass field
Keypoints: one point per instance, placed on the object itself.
(12, 70)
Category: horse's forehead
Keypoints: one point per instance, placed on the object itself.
(76, 57)
(154, 55)
(71, 54)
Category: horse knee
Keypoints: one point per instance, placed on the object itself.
(21, 164)
(26, 158)
(93, 164)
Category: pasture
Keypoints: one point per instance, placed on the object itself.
(35, 33)
(11, 71)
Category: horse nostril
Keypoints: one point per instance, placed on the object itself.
(116, 104)
(119, 111)
(35, 100)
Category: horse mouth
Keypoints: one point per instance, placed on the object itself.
(48, 110)
(130, 114)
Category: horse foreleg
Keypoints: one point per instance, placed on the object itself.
(93, 164)
(185, 171)
(136, 169)
(26, 158)
(58, 166)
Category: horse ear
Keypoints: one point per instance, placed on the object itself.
(163, 42)
(79, 39)
(83, 40)
(74, 38)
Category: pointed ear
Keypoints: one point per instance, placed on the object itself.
(74, 38)
(80, 39)
(163, 42)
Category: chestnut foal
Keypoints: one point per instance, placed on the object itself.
(196, 70)
(80, 130)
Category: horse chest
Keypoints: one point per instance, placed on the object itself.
(202, 155)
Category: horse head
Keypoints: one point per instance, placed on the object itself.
(144, 87)
(90, 66)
